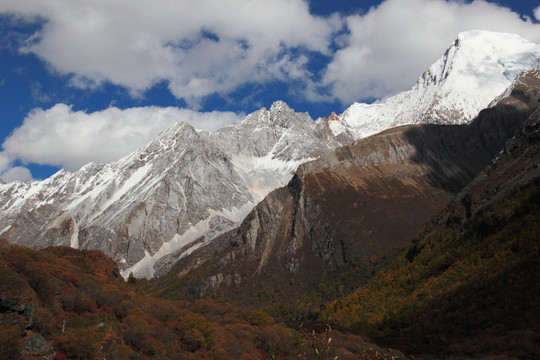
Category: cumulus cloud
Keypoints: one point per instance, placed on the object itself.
(9, 173)
(198, 47)
(63, 137)
(537, 13)
(5, 162)
(389, 47)
(17, 173)
(215, 46)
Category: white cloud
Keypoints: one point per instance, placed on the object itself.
(5, 162)
(17, 173)
(216, 46)
(390, 46)
(199, 47)
(9, 173)
(71, 139)
(537, 13)
(38, 94)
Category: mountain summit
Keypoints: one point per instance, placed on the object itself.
(180, 190)
(477, 67)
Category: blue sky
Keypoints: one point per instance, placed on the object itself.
(84, 80)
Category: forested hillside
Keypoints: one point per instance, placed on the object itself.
(63, 303)
(469, 283)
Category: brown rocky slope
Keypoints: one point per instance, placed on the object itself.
(349, 208)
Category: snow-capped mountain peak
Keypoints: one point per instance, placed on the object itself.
(131, 207)
(267, 146)
(476, 67)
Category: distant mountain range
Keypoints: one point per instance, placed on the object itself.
(187, 189)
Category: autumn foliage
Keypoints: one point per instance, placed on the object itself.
(84, 310)
(466, 286)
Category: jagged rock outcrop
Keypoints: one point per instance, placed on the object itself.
(35, 343)
(18, 301)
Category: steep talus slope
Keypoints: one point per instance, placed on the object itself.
(468, 283)
(353, 205)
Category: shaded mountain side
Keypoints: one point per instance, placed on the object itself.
(63, 303)
(468, 284)
(349, 208)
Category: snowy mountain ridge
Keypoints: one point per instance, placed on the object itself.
(476, 68)
(185, 187)
(181, 187)
(267, 146)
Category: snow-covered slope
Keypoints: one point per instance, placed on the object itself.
(183, 188)
(267, 146)
(474, 70)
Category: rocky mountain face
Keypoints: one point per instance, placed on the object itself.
(266, 147)
(187, 187)
(475, 69)
(132, 207)
(354, 205)
(183, 188)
